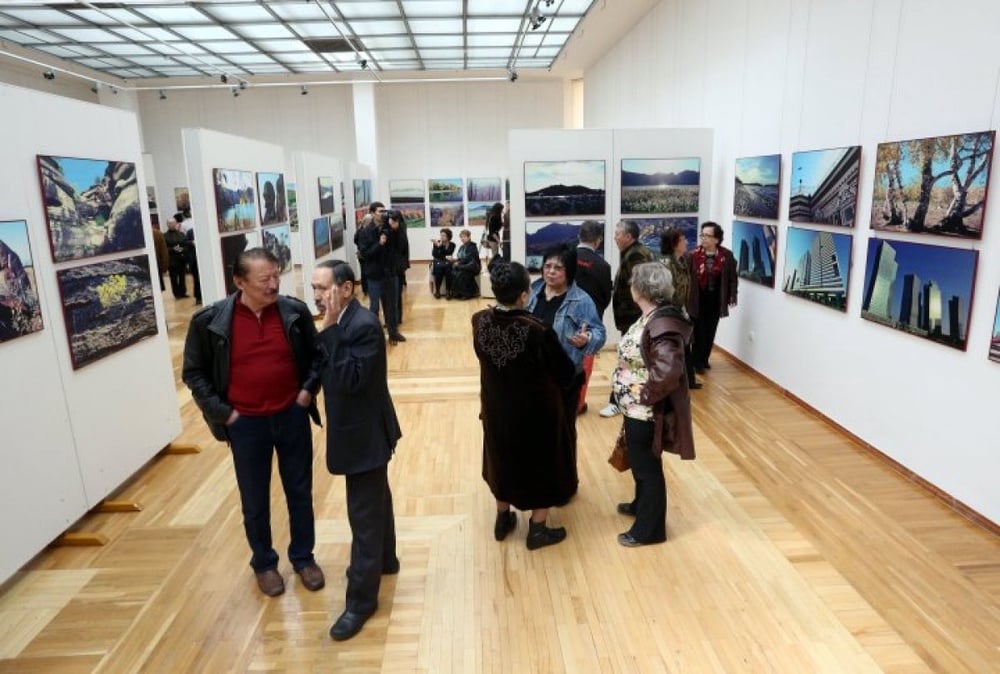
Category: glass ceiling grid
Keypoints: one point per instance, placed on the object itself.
(147, 39)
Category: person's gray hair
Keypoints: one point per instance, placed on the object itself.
(654, 282)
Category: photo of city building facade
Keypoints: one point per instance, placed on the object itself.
(995, 341)
(818, 266)
(755, 246)
(919, 289)
(825, 186)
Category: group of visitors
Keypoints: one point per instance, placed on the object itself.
(455, 270)
(383, 251)
(176, 253)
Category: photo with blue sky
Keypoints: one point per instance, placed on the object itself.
(810, 169)
(764, 170)
(541, 174)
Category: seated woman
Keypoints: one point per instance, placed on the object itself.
(527, 455)
(442, 249)
(465, 268)
(650, 388)
(559, 303)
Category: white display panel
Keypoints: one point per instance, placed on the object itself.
(309, 168)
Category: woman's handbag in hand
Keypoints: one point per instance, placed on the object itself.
(619, 454)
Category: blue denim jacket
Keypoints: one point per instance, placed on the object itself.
(577, 308)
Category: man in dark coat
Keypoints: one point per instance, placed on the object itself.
(176, 255)
(362, 432)
(593, 276)
(250, 362)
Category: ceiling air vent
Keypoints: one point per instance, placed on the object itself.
(337, 45)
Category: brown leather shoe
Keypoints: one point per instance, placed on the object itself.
(270, 582)
(312, 577)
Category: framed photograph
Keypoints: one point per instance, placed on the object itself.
(755, 246)
(818, 266)
(825, 186)
(540, 236)
(336, 232)
(445, 190)
(447, 215)
(651, 229)
(359, 215)
(321, 237)
(933, 185)
(154, 210)
(20, 312)
(292, 194)
(362, 193)
(326, 202)
(995, 340)
(484, 190)
(758, 180)
(235, 207)
(920, 289)
(182, 200)
(278, 240)
(564, 188)
(232, 245)
(273, 207)
(91, 207)
(415, 215)
(660, 185)
(477, 213)
(107, 306)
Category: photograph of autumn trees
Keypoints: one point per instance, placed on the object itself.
(933, 185)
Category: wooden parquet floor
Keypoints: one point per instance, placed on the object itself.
(790, 550)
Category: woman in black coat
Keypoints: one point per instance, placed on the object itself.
(465, 268)
(442, 249)
(528, 457)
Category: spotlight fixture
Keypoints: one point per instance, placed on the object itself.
(163, 96)
(224, 78)
(49, 74)
(94, 87)
(244, 84)
(236, 92)
(535, 18)
(304, 92)
(114, 90)
(549, 3)
(363, 63)
(513, 75)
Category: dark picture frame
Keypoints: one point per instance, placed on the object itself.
(565, 188)
(20, 310)
(91, 206)
(818, 266)
(272, 199)
(671, 185)
(235, 200)
(755, 247)
(757, 192)
(540, 235)
(824, 186)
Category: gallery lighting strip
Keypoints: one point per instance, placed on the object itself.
(321, 83)
(64, 71)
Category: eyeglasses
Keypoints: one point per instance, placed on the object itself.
(707, 236)
(554, 267)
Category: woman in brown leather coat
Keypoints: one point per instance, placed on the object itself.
(651, 389)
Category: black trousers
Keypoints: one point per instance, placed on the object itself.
(373, 531)
(705, 326)
(441, 273)
(390, 304)
(178, 284)
(650, 503)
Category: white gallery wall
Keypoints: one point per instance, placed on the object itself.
(321, 122)
(456, 130)
(310, 167)
(778, 76)
(71, 437)
(204, 151)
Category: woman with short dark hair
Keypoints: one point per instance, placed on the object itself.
(714, 283)
(441, 249)
(528, 460)
(465, 268)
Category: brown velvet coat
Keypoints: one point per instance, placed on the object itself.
(529, 457)
(662, 348)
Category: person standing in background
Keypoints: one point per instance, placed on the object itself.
(191, 256)
(593, 276)
(177, 261)
(673, 249)
(713, 290)
(162, 256)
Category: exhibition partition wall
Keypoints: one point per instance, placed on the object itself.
(322, 230)
(785, 78)
(238, 202)
(358, 193)
(558, 178)
(90, 394)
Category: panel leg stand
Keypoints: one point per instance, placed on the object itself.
(175, 448)
(78, 540)
(118, 507)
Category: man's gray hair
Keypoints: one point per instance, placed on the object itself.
(654, 282)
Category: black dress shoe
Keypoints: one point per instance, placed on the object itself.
(707, 366)
(540, 535)
(397, 338)
(630, 541)
(695, 386)
(348, 624)
(626, 509)
(506, 523)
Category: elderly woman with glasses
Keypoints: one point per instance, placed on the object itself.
(713, 290)
(651, 389)
(559, 303)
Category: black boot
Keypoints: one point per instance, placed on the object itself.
(540, 535)
(506, 523)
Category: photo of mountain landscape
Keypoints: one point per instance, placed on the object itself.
(757, 186)
(562, 188)
(20, 312)
(235, 206)
(540, 236)
(271, 190)
(91, 206)
(660, 185)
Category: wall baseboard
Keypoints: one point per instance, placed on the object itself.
(958, 506)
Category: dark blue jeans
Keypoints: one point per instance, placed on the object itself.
(253, 441)
(374, 294)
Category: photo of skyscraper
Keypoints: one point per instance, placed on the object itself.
(755, 246)
(920, 289)
(817, 266)
(995, 341)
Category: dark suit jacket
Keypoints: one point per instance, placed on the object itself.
(593, 275)
(361, 425)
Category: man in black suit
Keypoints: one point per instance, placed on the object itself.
(361, 435)
(593, 276)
